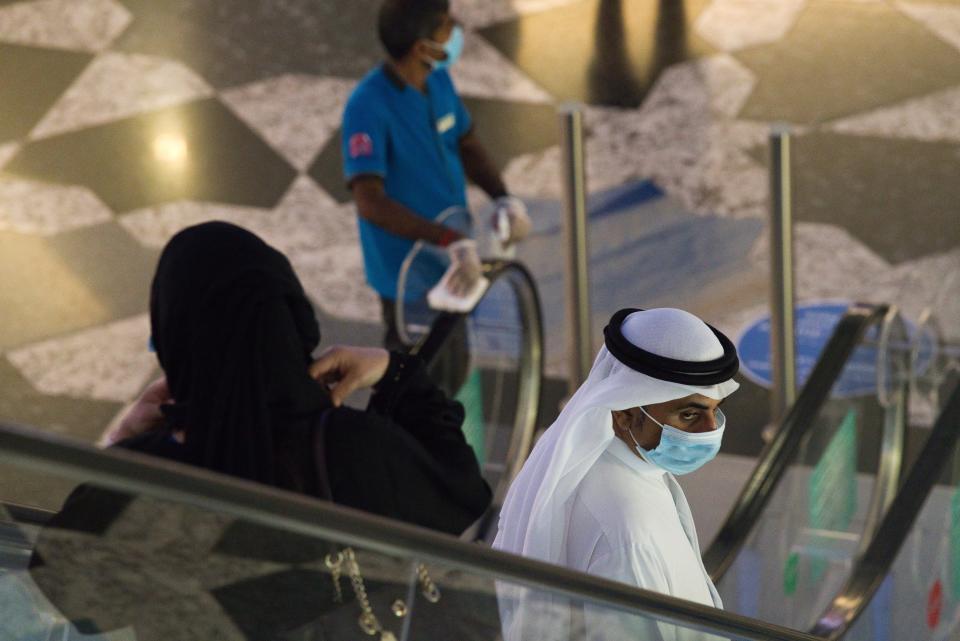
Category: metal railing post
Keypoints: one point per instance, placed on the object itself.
(580, 340)
(782, 294)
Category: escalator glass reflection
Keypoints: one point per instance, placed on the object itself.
(496, 349)
(115, 566)
(920, 597)
(489, 395)
(803, 545)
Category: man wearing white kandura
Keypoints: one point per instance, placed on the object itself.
(598, 493)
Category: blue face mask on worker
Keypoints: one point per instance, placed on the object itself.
(682, 452)
(453, 47)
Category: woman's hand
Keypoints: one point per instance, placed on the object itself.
(344, 369)
(144, 415)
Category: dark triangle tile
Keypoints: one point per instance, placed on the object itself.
(31, 81)
(844, 58)
(112, 264)
(21, 404)
(198, 151)
(511, 129)
(272, 606)
(507, 129)
(603, 52)
(70, 281)
(248, 540)
(231, 43)
(93, 510)
(327, 170)
(896, 196)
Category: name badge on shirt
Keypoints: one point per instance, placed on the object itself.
(446, 123)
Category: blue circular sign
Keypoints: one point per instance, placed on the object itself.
(813, 326)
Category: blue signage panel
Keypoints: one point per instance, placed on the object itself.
(814, 324)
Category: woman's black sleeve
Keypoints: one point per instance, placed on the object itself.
(407, 396)
(406, 456)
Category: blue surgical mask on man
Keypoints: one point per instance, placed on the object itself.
(453, 47)
(682, 452)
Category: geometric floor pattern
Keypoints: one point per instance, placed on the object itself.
(125, 120)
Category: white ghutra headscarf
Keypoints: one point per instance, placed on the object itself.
(533, 518)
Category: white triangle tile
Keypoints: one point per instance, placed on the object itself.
(718, 84)
(833, 264)
(526, 7)
(708, 174)
(478, 202)
(484, 72)
(316, 233)
(30, 207)
(8, 151)
(536, 175)
(830, 262)
(929, 281)
(109, 363)
(735, 24)
(681, 138)
(942, 20)
(164, 585)
(153, 226)
(482, 13)
(119, 85)
(306, 219)
(932, 118)
(334, 279)
(81, 25)
(296, 114)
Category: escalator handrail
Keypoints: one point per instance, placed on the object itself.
(777, 456)
(530, 374)
(873, 566)
(445, 322)
(128, 471)
(531, 359)
(27, 514)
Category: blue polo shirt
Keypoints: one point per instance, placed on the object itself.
(411, 140)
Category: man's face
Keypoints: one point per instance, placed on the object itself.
(695, 413)
(442, 33)
(430, 48)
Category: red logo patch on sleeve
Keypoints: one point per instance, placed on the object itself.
(361, 145)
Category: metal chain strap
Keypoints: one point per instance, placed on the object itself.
(429, 589)
(334, 563)
(368, 621)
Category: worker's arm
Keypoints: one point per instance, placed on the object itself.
(376, 207)
(479, 166)
(481, 170)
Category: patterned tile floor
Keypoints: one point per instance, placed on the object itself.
(125, 120)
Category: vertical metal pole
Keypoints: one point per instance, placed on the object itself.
(782, 296)
(580, 340)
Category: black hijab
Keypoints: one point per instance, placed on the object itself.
(234, 333)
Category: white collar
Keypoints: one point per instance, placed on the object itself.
(626, 455)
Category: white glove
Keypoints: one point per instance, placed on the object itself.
(510, 220)
(463, 283)
(465, 268)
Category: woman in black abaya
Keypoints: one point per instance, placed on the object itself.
(234, 334)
